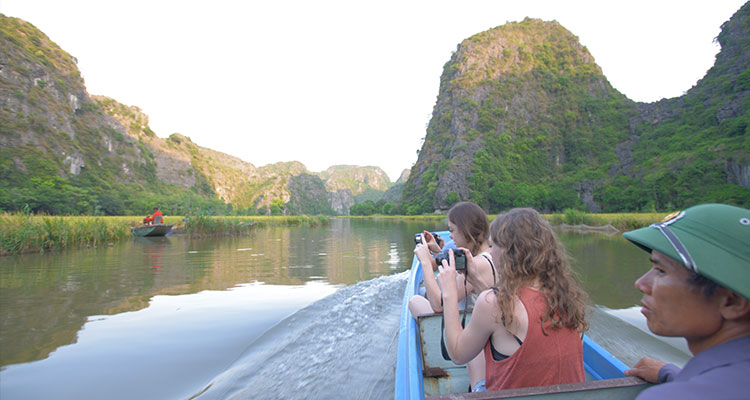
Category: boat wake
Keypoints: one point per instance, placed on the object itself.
(341, 346)
(624, 334)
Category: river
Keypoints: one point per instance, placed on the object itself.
(292, 312)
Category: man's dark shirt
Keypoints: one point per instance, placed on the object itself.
(720, 372)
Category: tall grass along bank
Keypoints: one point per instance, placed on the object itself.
(28, 233)
(621, 222)
(24, 233)
(216, 226)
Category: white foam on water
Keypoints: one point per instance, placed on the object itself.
(634, 317)
(342, 346)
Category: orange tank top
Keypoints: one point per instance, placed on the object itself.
(541, 360)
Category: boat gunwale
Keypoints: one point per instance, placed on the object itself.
(542, 390)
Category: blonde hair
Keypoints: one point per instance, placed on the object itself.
(529, 251)
(473, 223)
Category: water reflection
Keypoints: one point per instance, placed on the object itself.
(170, 312)
(46, 298)
(175, 342)
(607, 266)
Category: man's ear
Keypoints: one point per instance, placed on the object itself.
(733, 306)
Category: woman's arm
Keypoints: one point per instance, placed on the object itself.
(465, 344)
(432, 290)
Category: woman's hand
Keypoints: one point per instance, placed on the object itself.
(462, 344)
(424, 256)
(432, 242)
(447, 277)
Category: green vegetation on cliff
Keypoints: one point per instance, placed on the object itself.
(525, 118)
(61, 153)
(65, 152)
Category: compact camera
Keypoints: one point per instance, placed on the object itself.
(418, 238)
(459, 256)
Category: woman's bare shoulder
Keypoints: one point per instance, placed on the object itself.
(487, 312)
(487, 300)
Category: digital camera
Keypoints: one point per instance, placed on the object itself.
(458, 254)
(418, 237)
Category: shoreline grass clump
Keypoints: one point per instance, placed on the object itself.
(26, 233)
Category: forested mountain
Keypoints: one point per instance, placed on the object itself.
(66, 152)
(524, 117)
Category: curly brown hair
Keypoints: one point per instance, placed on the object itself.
(529, 251)
(473, 223)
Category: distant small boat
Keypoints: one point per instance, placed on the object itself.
(151, 230)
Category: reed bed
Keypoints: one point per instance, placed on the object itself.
(423, 217)
(620, 221)
(25, 233)
(218, 226)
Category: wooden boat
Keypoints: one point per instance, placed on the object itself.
(421, 371)
(151, 230)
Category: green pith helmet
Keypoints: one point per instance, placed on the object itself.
(710, 239)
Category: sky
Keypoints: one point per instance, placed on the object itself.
(342, 82)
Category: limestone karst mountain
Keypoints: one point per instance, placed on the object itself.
(525, 117)
(65, 151)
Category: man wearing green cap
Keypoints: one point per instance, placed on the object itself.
(698, 288)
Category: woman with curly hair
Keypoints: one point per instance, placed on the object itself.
(530, 326)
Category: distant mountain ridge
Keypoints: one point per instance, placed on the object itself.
(104, 152)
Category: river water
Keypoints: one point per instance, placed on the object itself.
(292, 312)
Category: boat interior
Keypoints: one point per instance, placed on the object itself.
(442, 379)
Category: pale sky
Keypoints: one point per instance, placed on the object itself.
(342, 82)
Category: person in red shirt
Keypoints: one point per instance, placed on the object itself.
(152, 219)
(530, 326)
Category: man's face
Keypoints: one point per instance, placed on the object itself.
(673, 306)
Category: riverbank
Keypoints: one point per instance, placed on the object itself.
(27, 233)
(573, 219)
(622, 222)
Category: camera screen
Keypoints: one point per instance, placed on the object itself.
(460, 262)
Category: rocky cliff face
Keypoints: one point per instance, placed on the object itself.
(308, 196)
(50, 125)
(355, 179)
(45, 112)
(522, 85)
(524, 117)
